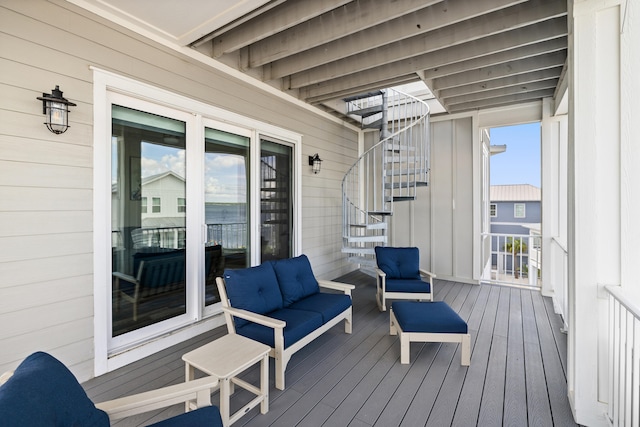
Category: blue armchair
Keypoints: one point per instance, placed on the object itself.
(43, 392)
(399, 276)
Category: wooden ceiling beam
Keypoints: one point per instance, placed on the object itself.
(500, 101)
(500, 92)
(519, 79)
(522, 52)
(280, 18)
(510, 41)
(402, 28)
(352, 18)
(459, 45)
(540, 62)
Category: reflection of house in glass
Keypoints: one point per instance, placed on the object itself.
(515, 213)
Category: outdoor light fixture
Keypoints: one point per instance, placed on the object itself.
(315, 161)
(54, 106)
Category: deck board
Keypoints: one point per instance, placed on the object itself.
(538, 408)
(517, 373)
(515, 399)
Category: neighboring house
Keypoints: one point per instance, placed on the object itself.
(161, 200)
(513, 206)
(514, 211)
(143, 76)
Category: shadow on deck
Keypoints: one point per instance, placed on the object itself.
(517, 374)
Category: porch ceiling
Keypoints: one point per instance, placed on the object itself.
(471, 54)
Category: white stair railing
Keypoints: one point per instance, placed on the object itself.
(388, 172)
(624, 359)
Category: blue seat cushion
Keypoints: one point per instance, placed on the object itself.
(254, 289)
(299, 324)
(295, 278)
(326, 304)
(433, 317)
(208, 416)
(398, 263)
(43, 392)
(407, 285)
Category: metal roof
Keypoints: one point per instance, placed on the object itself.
(515, 193)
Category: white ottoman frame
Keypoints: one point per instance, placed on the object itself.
(406, 338)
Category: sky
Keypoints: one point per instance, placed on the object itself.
(520, 164)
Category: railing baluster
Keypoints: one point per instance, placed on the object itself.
(624, 360)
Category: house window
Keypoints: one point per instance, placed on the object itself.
(493, 208)
(155, 207)
(182, 204)
(143, 205)
(519, 210)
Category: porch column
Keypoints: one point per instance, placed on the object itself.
(603, 187)
(554, 203)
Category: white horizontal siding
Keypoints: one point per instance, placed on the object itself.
(46, 238)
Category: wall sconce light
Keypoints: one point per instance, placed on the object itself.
(55, 107)
(315, 161)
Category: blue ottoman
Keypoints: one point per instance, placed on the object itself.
(428, 322)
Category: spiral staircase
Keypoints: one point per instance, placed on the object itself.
(388, 172)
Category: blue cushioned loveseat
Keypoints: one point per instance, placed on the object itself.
(43, 392)
(279, 303)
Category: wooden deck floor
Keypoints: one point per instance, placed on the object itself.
(517, 375)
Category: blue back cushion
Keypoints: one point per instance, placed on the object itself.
(43, 392)
(295, 278)
(398, 263)
(254, 289)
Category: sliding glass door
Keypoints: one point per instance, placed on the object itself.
(188, 196)
(276, 200)
(148, 219)
(226, 205)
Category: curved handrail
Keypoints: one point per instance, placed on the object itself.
(390, 170)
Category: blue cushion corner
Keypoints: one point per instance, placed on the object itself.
(295, 278)
(42, 391)
(254, 289)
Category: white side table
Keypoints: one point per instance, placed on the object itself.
(225, 358)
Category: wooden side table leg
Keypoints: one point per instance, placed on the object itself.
(224, 400)
(264, 384)
(188, 376)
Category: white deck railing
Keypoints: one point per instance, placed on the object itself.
(624, 359)
(511, 263)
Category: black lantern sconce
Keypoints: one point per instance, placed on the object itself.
(315, 161)
(55, 107)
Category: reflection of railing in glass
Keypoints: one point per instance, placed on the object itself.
(230, 236)
(163, 237)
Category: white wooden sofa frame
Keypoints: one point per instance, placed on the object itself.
(278, 352)
(382, 295)
(199, 390)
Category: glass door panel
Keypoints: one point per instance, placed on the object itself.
(226, 206)
(276, 201)
(148, 219)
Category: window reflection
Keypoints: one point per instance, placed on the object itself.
(225, 209)
(148, 262)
